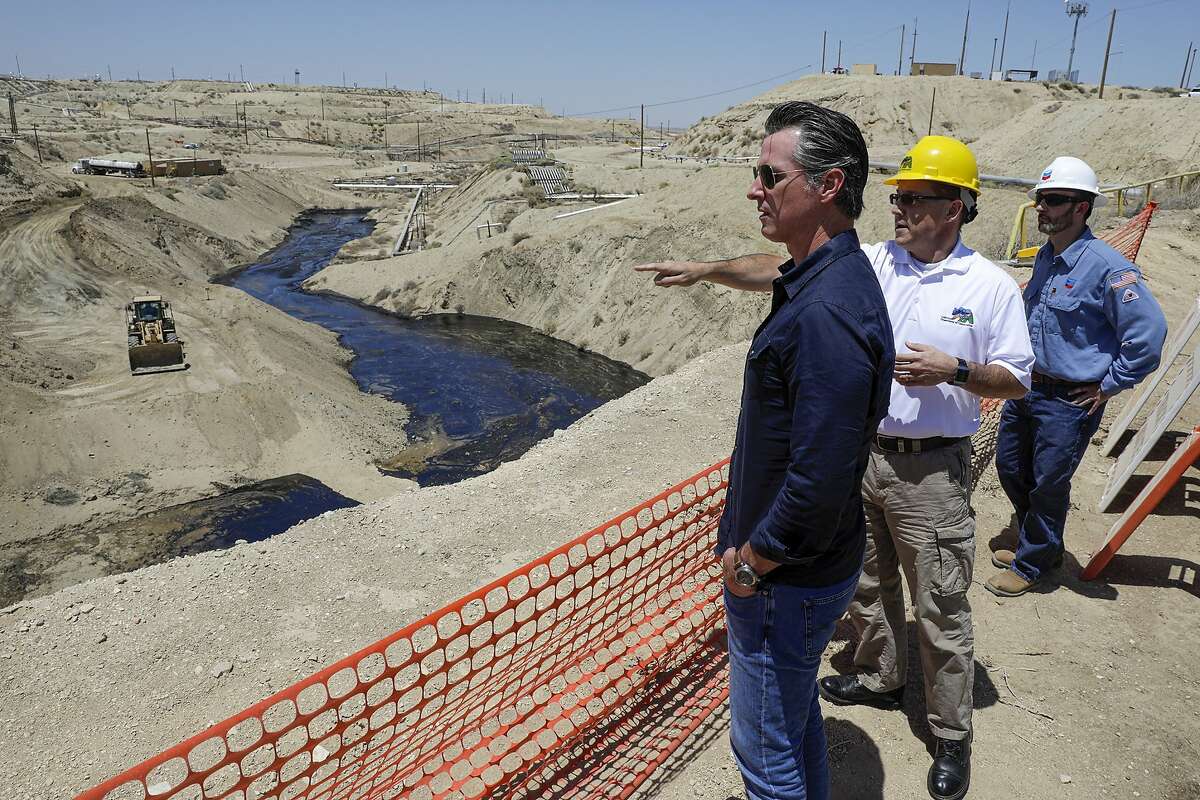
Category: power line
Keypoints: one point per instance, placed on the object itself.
(689, 99)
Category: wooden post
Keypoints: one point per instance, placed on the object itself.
(932, 101)
(1112, 21)
(322, 108)
(12, 113)
(900, 63)
(419, 158)
(37, 143)
(151, 156)
(642, 140)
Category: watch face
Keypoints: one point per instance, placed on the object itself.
(743, 575)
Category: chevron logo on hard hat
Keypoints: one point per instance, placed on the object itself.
(1046, 175)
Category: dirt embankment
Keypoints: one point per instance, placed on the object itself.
(266, 395)
(101, 675)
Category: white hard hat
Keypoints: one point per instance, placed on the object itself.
(1068, 172)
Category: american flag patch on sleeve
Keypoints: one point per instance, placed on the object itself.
(1123, 280)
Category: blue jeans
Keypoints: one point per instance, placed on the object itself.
(776, 638)
(1041, 441)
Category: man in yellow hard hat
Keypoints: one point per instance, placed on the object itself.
(960, 334)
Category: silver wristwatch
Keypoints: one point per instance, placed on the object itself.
(744, 574)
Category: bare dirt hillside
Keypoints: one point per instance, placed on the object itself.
(1015, 128)
(88, 443)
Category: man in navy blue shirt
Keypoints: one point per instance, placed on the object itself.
(1096, 330)
(817, 382)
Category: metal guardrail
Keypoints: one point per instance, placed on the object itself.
(1020, 245)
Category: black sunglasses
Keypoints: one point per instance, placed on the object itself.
(909, 199)
(770, 176)
(1056, 200)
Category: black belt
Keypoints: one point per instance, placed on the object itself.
(898, 444)
(1046, 380)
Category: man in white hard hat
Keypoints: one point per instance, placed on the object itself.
(958, 321)
(1096, 331)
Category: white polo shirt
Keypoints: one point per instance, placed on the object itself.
(965, 306)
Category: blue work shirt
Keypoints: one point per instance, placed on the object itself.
(1091, 317)
(817, 381)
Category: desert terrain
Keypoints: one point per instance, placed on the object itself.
(1083, 689)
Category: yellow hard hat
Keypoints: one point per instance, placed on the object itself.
(941, 159)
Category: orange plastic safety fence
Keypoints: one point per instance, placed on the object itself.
(1127, 239)
(574, 676)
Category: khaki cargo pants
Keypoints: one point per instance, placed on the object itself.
(919, 522)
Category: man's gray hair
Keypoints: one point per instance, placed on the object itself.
(826, 140)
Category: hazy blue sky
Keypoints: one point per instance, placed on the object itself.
(578, 56)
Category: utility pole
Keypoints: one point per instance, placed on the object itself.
(419, 154)
(962, 56)
(900, 63)
(839, 54)
(1183, 75)
(992, 66)
(175, 108)
(1076, 10)
(1193, 64)
(241, 73)
(12, 110)
(642, 140)
(1033, 65)
(18, 58)
(151, 156)
(322, 108)
(823, 35)
(109, 72)
(1112, 21)
(932, 102)
(1004, 39)
(912, 57)
(172, 73)
(37, 143)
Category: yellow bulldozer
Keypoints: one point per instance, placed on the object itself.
(154, 344)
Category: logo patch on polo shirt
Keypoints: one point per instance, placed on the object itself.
(1130, 294)
(961, 316)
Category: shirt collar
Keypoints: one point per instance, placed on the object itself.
(958, 261)
(1074, 250)
(793, 277)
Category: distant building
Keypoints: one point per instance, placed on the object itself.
(187, 167)
(933, 68)
(1020, 74)
(863, 69)
(1061, 75)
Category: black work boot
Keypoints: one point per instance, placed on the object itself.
(950, 773)
(847, 690)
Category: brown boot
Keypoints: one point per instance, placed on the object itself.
(1003, 558)
(1008, 584)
